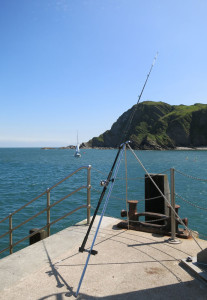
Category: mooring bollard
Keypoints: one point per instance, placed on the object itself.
(38, 236)
(132, 213)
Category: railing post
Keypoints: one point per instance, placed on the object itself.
(89, 195)
(48, 212)
(172, 178)
(173, 240)
(10, 234)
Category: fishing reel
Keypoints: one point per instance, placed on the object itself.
(104, 183)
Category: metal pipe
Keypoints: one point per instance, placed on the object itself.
(10, 234)
(53, 222)
(172, 183)
(55, 203)
(48, 212)
(89, 195)
(70, 175)
(42, 194)
(48, 225)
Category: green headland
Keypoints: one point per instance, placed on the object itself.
(158, 126)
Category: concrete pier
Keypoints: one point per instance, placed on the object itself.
(129, 265)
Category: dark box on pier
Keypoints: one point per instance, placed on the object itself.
(154, 201)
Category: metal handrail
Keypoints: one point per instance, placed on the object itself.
(49, 206)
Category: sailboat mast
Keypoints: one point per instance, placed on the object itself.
(77, 138)
(77, 152)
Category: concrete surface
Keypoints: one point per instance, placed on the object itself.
(199, 269)
(129, 265)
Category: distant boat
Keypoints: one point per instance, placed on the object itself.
(77, 150)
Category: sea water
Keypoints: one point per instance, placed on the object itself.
(27, 172)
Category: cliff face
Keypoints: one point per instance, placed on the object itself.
(157, 125)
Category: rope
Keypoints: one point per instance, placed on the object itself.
(139, 200)
(134, 178)
(153, 198)
(189, 176)
(96, 189)
(150, 221)
(172, 209)
(130, 178)
(192, 204)
(137, 178)
(99, 171)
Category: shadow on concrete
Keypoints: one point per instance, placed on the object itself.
(157, 236)
(60, 280)
(116, 263)
(190, 290)
(96, 244)
(147, 244)
(194, 289)
(182, 290)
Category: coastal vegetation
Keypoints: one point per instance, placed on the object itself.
(157, 125)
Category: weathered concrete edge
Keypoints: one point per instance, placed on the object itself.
(195, 268)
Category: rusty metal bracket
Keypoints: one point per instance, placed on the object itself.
(151, 226)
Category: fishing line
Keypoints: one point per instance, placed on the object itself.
(134, 109)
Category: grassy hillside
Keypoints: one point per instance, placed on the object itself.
(157, 125)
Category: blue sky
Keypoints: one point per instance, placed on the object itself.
(77, 65)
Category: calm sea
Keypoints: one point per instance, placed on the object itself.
(27, 172)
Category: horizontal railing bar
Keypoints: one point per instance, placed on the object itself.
(4, 234)
(30, 235)
(31, 218)
(42, 194)
(42, 211)
(68, 214)
(67, 196)
(71, 174)
(45, 209)
(29, 203)
(39, 213)
(16, 211)
(4, 249)
(4, 219)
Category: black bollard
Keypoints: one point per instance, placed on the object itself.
(38, 236)
(157, 203)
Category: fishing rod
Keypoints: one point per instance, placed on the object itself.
(139, 98)
(104, 183)
(147, 78)
(117, 163)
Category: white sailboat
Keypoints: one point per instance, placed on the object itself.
(77, 150)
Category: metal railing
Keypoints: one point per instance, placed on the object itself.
(47, 210)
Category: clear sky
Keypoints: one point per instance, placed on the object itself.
(77, 65)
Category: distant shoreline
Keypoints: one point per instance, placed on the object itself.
(204, 148)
